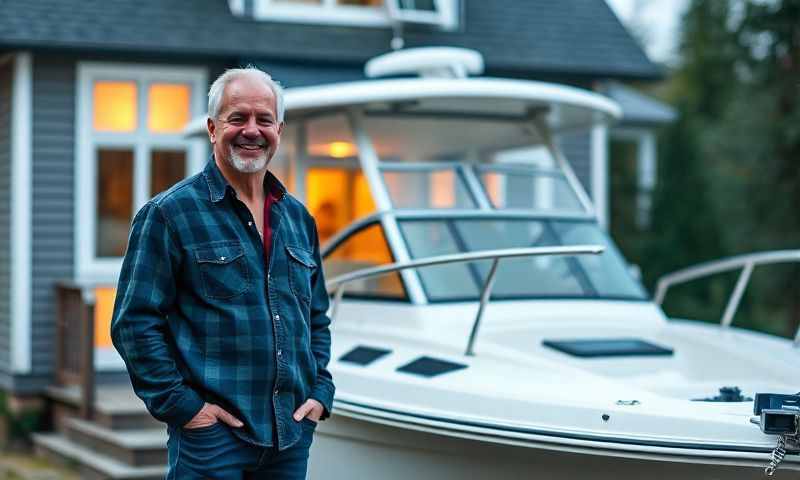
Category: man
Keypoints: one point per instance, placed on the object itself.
(220, 308)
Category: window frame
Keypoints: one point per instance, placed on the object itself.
(88, 266)
(330, 249)
(329, 12)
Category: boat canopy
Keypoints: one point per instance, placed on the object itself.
(562, 107)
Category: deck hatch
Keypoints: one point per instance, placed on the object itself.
(607, 347)
(430, 367)
(362, 355)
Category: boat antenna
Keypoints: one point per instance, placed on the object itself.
(397, 42)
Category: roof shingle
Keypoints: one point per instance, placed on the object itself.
(564, 36)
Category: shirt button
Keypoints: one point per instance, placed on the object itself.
(277, 317)
(279, 352)
(276, 392)
(249, 224)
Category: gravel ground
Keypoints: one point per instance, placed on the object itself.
(17, 466)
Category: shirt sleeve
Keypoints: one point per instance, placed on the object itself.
(145, 294)
(320, 333)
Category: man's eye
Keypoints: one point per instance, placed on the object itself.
(235, 120)
(265, 121)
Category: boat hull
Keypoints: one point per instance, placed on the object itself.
(347, 447)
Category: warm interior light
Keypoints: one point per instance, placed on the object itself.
(336, 149)
(443, 189)
(168, 107)
(103, 310)
(493, 184)
(335, 197)
(341, 149)
(114, 106)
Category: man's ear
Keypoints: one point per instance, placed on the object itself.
(280, 127)
(212, 130)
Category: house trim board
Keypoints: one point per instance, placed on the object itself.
(21, 214)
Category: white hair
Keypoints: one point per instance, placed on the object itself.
(218, 88)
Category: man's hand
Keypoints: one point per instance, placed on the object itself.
(311, 409)
(211, 414)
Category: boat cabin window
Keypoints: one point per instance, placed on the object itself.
(335, 190)
(364, 249)
(602, 276)
(427, 187)
(444, 159)
(529, 188)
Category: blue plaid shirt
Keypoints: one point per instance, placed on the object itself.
(199, 317)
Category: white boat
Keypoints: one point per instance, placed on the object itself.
(484, 325)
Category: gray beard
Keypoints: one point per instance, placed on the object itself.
(246, 166)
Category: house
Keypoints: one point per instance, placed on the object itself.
(94, 97)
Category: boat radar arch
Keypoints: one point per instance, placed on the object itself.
(427, 62)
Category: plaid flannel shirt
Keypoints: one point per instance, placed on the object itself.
(199, 317)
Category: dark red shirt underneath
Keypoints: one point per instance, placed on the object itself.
(269, 199)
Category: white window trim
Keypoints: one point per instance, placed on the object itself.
(646, 168)
(331, 13)
(21, 210)
(89, 268)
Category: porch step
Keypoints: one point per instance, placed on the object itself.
(92, 464)
(116, 407)
(139, 447)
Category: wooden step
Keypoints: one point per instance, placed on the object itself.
(136, 447)
(92, 464)
(116, 407)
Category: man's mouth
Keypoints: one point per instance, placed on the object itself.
(250, 146)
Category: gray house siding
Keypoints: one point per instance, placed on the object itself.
(53, 198)
(6, 74)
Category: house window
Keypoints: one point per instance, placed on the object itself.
(375, 13)
(131, 147)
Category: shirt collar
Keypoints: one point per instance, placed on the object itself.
(218, 186)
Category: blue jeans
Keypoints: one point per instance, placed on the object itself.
(216, 452)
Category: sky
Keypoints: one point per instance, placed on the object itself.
(658, 20)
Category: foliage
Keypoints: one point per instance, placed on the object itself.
(729, 168)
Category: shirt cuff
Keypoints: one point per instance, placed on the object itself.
(185, 410)
(323, 393)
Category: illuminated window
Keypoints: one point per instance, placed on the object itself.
(131, 145)
(103, 310)
(114, 201)
(367, 13)
(336, 197)
(114, 106)
(167, 168)
(363, 249)
(167, 107)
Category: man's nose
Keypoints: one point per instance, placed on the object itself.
(250, 129)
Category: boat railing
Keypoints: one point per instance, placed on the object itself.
(338, 284)
(744, 262)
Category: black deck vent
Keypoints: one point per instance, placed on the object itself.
(430, 367)
(362, 355)
(607, 347)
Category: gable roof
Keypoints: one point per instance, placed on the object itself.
(580, 37)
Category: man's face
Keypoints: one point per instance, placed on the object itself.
(246, 133)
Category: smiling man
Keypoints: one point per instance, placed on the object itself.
(220, 309)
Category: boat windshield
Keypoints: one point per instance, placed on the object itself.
(468, 162)
(603, 276)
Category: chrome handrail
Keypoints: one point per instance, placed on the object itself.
(745, 262)
(337, 284)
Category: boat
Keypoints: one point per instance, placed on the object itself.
(484, 325)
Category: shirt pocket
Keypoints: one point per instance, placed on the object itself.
(223, 269)
(301, 268)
